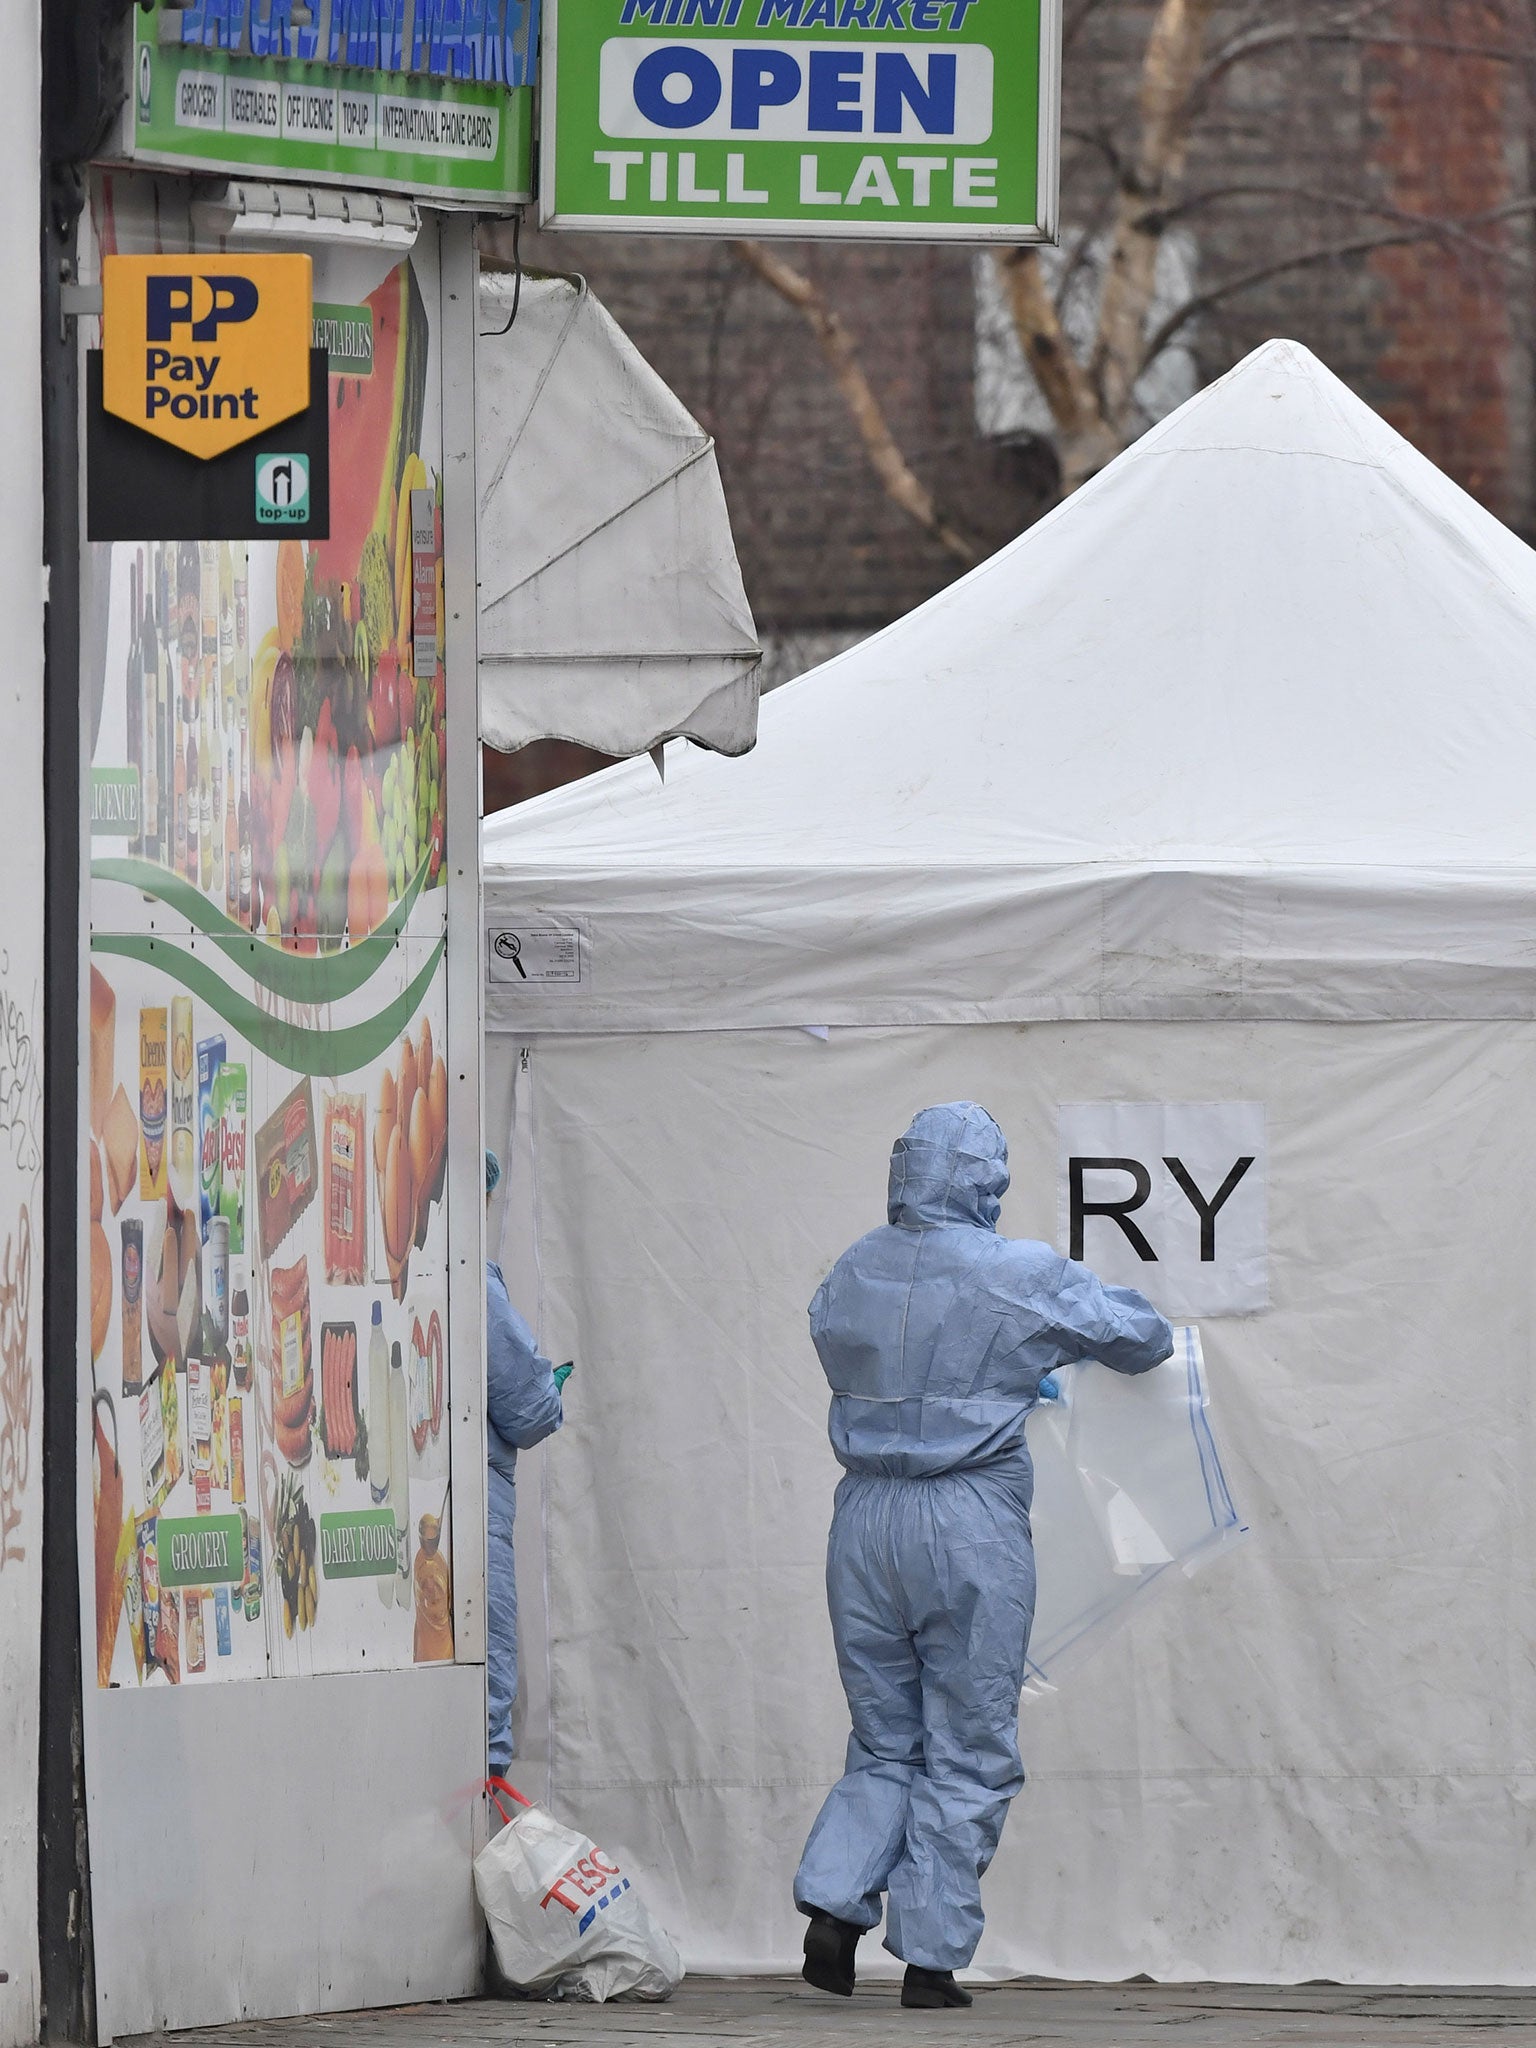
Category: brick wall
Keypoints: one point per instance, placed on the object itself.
(1451, 136)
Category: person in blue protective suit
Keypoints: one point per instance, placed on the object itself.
(934, 1334)
(522, 1407)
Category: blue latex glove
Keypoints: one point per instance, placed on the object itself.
(1050, 1388)
(560, 1375)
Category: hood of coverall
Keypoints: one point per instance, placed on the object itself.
(950, 1166)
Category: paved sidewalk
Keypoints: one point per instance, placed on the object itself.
(780, 2013)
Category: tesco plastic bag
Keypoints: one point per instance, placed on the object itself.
(564, 1918)
(1129, 1492)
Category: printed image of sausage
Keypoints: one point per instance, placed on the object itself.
(344, 1390)
(325, 1387)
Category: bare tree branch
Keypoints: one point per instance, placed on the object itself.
(1169, 70)
(1410, 232)
(1331, 252)
(1263, 42)
(885, 457)
(1084, 440)
(1460, 233)
(1485, 53)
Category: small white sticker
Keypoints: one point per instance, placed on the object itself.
(535, 954)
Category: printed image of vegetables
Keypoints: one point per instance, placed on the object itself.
(297, 1573)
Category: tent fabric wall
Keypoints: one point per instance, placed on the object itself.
(1316, 1760)
(1215, 786)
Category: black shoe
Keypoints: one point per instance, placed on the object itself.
(930, 1989)
(830, 1947)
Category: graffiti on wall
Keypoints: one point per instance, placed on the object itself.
(16, 1384)
(19, 1082)
(21, 1136)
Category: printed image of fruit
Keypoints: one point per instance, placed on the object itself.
(290, 593)
(400, 830)
(375, 424)
(410, 1147)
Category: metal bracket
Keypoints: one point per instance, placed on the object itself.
(78, 299)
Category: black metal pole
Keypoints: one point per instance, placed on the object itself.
(72, 78)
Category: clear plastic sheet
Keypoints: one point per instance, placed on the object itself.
(1129, 1495)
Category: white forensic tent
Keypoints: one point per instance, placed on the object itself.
(1217, 787)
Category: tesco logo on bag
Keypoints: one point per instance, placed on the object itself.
(589, 1877)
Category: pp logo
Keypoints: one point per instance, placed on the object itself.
(201, 304)
(282, 489)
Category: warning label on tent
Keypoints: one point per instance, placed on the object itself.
(1168, 1197)
(543, 953)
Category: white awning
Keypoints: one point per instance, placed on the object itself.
(611, 604)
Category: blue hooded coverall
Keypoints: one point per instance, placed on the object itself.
(522, 1405)
(935, 1334)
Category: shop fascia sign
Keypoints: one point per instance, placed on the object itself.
(431, 97)
(924, 120)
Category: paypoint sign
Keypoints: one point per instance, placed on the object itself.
(206, 351)
(929, 120)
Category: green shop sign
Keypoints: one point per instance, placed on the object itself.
(924, 120)
(115, 803)
(238, 89)
(201, 1550)
(360, 1545)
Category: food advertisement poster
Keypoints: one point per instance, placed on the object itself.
(265, 1399)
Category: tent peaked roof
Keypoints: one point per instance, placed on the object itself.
(1269, 630)
(1269, 662)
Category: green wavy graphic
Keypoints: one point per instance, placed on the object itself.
(298, 1047)
(302, 978)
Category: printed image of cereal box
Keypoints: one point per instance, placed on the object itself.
(218, 1371)
(183, 1128)
(154, 1074)
(287, 1165)
(170, 1420)
(229, 1104)
(152, 1439)
(210, 1057)
(200, 1413)
(146, 1536)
